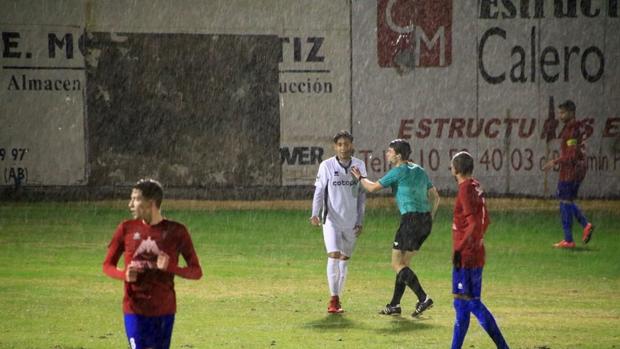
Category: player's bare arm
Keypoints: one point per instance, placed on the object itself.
(549, 165)
(367, 184)
(433, 198)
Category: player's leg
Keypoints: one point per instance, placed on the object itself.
(588, 228)
(566, 214)
(581, 218)
(343, 269)
(133, 330)
(393, 307)
(487, 321)
(484, 316)
(166, 325)
(409, 278)
(461, 289)
(405, 276)
(331, 239)
(139, 331)
(348, 244)
(574, 189)
(400, 262)
(149, 332)
(343, 265)
(461, 323)
(421, 224)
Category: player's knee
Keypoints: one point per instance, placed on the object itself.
(344, 258)
(397, 266)
(464, 297)
(335, 255)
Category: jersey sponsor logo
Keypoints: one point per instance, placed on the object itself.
(344, 183)
(147, 246)
(146, 254)
(414, 32)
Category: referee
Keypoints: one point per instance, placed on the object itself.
(417, 200)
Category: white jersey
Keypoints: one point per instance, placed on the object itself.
(338, 194)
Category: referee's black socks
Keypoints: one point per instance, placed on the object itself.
(399, 290)
(408, 277)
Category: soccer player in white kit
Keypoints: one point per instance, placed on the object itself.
(339, 203)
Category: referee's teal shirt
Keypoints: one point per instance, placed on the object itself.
(410, 185)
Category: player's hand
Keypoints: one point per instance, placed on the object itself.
(131, 274)
(356, 172)
(549, 165)
(314, 220)
(456, 259)
(162, 261)
(358, 230)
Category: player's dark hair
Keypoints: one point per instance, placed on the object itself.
(401, 147)
(463, 163)
(343, 134)
(151, 190)
(568, 106)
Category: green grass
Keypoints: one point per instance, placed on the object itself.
(265, 287)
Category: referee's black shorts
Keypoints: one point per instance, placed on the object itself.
(414, 228)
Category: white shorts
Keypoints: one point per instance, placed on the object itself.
(339, 239)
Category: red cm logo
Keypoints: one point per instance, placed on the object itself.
(418, 30)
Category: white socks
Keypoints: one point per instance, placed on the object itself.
(333, 276)
(344, 269)
(336, 275)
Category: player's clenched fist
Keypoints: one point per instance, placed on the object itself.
(314, 220)
(358, 230)
(131, 274)
(162, 261)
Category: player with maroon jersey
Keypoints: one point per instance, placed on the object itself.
(573, 168)
(469, 225)
(151, 246)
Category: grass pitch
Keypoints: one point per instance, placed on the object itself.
(265, 284)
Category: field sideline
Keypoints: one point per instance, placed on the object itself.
(265, 287)
(372, 202)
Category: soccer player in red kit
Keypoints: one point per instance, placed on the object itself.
(573, 168)
(469, 225)
(151, 246)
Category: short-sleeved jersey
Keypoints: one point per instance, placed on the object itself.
(341, 193)
(410, 185)
(572, 159)
(153, 292)
(470, 223)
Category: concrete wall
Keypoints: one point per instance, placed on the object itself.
(485, 76)
(479, 75)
